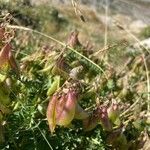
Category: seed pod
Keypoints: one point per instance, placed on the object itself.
(54, 86)
(4, 56)
(60, 106)
(7, 58)
(68, 111)
(60, 68)
(104, 120)
(13, 63)
(51, 113)
(80, 113)
(113, 113)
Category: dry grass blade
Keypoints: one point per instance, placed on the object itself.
(148, 83)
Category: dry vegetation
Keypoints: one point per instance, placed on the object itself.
(58, 91)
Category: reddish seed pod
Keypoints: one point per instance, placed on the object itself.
(51, 115)
(61, 110)
(6, 57)
(68, 112)
(103, 117)
(113, 112)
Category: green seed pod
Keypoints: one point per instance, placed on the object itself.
(7, 59)
(54, 86)
(113, 113)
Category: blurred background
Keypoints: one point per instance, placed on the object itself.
(106, 21)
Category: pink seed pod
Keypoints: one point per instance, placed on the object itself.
(67, 113)
(60, 106)
(12, 62)
(103, 118)
(4, 55)
(113, 112)
(51, 113)
(7, 58)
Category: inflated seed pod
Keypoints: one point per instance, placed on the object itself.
(61, 110)
(54, 86)
(13, 64)
(51, 113)
(4, 56)
(113, 112)
(104, 120)
(60, 68)
(7, 58)
(65, 117)
(60, 106)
